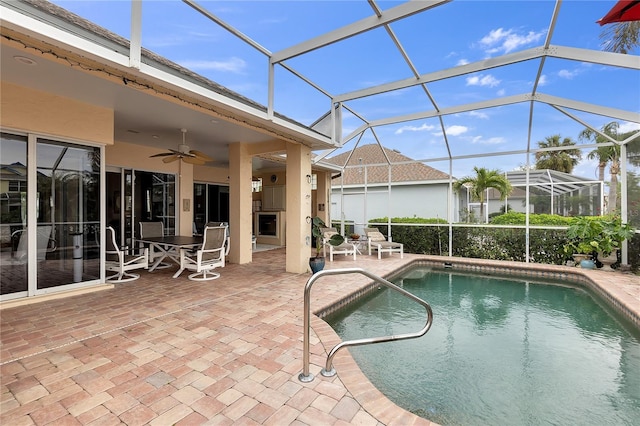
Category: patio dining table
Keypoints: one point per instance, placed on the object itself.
(169, 246)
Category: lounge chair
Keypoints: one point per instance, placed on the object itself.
(344, 248)
(376, 241)
(209, 256)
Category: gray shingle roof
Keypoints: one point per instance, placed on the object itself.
(408, 171)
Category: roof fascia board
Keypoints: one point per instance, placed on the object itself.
(590, 108)
(366, 24)
(46, 32)
(484, 64)
(393, 183)
(595, 57)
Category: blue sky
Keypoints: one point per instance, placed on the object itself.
(451, 34)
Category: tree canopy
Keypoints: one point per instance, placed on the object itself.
(559, 160)
(483, 180)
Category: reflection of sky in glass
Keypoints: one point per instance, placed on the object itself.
(62, 157)
(13, 149)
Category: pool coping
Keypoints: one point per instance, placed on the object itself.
(602, 283)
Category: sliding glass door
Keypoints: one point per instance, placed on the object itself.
(210, 204)
(13, 215)
(50, 215)
(135, 196)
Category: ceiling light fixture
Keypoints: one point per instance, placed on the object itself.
(184, 153)
(24, 60)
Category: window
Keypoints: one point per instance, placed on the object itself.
(17, 186)
(256, 185)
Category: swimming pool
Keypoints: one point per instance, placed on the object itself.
(500, 351)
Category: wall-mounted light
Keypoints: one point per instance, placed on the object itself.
(308, 178)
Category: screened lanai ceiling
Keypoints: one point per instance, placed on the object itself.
(435, 80)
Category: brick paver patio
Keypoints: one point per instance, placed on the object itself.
(166, 351)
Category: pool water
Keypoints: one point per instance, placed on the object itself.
(500, 352)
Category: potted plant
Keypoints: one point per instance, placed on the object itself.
(614, 233)
(601, 236)
(317, 225)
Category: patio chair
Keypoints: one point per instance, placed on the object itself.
(228, 242)
(344, 248)
(154, 229)
(44, 241)
(376, 241)
(209, 257)
(121, 262)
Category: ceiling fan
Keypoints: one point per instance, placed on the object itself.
(183, 152)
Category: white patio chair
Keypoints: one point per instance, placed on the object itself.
(44, 241)
(344, 248)
(209, 257)
(376, 241)
(121, 262)
(154, 229)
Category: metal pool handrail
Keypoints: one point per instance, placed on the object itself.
(328, 371)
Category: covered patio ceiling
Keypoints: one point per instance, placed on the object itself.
(358, 98)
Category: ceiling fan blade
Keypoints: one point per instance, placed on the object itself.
(176, 152)
(201, 155)
(162, 154)
(193, 160)
(171, 159)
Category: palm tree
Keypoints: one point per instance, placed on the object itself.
(558, 160)
(483, 180)
(621, 37)
(606, 155)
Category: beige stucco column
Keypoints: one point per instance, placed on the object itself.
(185, 198)
(298, 208)
(323, 203)
(240, 226)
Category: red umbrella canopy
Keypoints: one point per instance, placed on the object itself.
(624, 10)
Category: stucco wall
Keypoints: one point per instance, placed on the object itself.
(39, 112)
(426, 201)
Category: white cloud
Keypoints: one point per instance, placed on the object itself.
(567, 74)
(628, 127)
(496, 140)
(456, 130)
(505, 41)
(462, 62)
(414, 129)
(543, 80)
(482, 80)
(479, 114)
(501, 92)
(232, 65)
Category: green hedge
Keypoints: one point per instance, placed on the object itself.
(534, 219)
(545, 245)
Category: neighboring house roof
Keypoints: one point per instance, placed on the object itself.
(377, 169)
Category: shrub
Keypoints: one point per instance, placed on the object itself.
(545, 245)
(512, 218)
